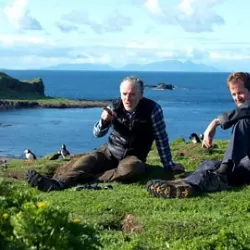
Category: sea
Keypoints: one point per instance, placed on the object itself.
(195, 101)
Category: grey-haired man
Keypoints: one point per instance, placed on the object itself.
(135, 122)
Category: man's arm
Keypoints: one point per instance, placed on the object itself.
(210, 133)
(161, 137)
(225, 121)
(102, 126)
(100, 129)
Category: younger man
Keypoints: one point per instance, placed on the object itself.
(235, 166)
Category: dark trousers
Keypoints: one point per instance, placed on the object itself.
(99, 165)
(237, 152)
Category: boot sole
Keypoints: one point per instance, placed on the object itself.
(162, 189)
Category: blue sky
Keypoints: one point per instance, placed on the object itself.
(35, 33)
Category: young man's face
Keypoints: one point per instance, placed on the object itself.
(239, 93)
(130, 95)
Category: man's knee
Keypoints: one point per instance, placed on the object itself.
(84, 163)
(131, 165)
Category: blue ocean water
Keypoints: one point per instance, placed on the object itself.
(198, 98)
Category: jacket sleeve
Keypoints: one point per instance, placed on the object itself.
(227, 119)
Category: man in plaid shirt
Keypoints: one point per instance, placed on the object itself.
(135, 123)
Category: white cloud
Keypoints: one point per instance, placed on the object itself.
(185, 7)
(24, 40)
(153, 6)
(117, 22)
(104, 59)
(166, 54)
(192, 15)
(185, 53)
(229, 56)
(142, 45)
(192, 7)
(19, 16)
(196, 53)
(66, 27)
(36, 62)
(198, 16)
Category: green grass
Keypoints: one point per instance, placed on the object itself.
(51, 102)
(8, 94)
(211, 221)
(56, 102)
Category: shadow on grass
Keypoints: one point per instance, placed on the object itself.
(158, 172)
(155, 172)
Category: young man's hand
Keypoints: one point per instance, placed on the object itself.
(210, 133)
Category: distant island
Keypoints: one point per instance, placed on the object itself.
(161, 85)
(167, 65)
(16, 94)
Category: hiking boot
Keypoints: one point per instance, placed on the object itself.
(170, 189)
(159, 188)
(41, 182)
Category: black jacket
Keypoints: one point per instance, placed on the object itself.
(132, 134)
(228, 119)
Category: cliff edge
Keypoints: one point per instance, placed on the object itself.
(11, 88)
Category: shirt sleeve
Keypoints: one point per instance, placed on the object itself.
(100, 129)
(161, 137)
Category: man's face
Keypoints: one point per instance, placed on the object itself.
(239, 93)
(130, 95)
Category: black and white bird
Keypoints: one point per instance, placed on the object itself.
(64, 152)
(4, 164)
(195, 138)
(55, 156)
(29, 155)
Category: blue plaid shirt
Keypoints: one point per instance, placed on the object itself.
(159, 133)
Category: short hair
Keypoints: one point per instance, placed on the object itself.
(242, 76)
(136, 81)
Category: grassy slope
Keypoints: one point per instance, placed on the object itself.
(213, 221)
(11, 94)
(60, 102)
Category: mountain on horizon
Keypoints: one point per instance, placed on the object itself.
(168, 65)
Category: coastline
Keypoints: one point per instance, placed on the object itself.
(57, 103)
(52, 103)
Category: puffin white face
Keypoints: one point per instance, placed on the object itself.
(26, 151)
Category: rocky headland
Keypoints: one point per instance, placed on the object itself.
(13, 88)
(17, 94)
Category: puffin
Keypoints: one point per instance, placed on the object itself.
(194, 138)
(29, 155)
(4, 164)
(55, 156)
(64, 152)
